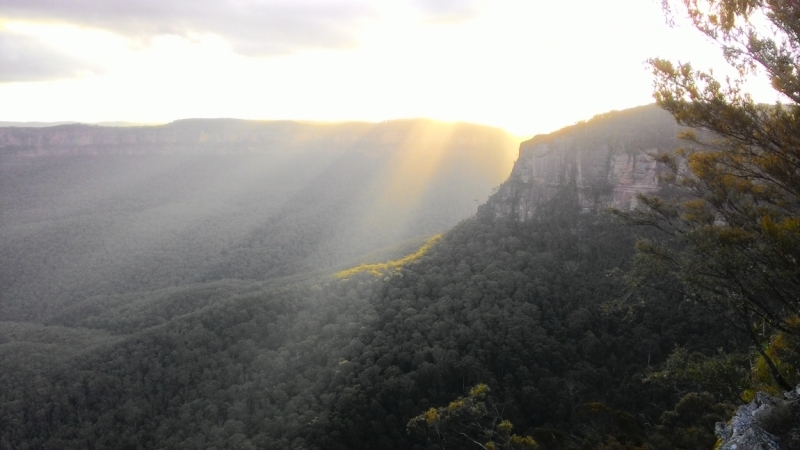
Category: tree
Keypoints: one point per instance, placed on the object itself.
(734, 216)
(722, 375)
(469, 421)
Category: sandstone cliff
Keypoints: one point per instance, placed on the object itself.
(601, 163)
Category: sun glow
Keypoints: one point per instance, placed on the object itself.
(523, 66)
(411, 168)
(423, 151)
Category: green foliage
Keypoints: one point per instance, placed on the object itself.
(733, 215)
(690, 426)
(723, 374)
(468, 421)
(605, 427)
(783, 351)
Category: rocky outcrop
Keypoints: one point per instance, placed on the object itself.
(597, 164)
(766, 423)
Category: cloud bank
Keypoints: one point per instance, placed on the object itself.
(25, 58)
(252, 27)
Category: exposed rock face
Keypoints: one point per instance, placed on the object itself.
(601, 163)
(766, 423)
(225, 136)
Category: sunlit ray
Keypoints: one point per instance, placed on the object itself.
(380, 269)
(426, 171)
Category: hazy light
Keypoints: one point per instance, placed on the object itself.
(526, 66)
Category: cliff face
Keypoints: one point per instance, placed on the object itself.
(597, 164)
(231, 136)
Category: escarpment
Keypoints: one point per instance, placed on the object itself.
(604, 162)
(233, 136)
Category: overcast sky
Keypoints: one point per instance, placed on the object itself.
(528, 66)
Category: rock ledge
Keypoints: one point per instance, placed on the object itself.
(766, 423)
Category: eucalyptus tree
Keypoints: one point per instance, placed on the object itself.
(734, 212)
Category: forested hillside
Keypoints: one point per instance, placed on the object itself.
(83, 220)
(537, 310)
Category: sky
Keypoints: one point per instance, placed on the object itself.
(528, 66)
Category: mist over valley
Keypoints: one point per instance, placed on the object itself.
(317, 225)
(91, 210)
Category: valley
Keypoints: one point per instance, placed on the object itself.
(167, 299)
(268, 225)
